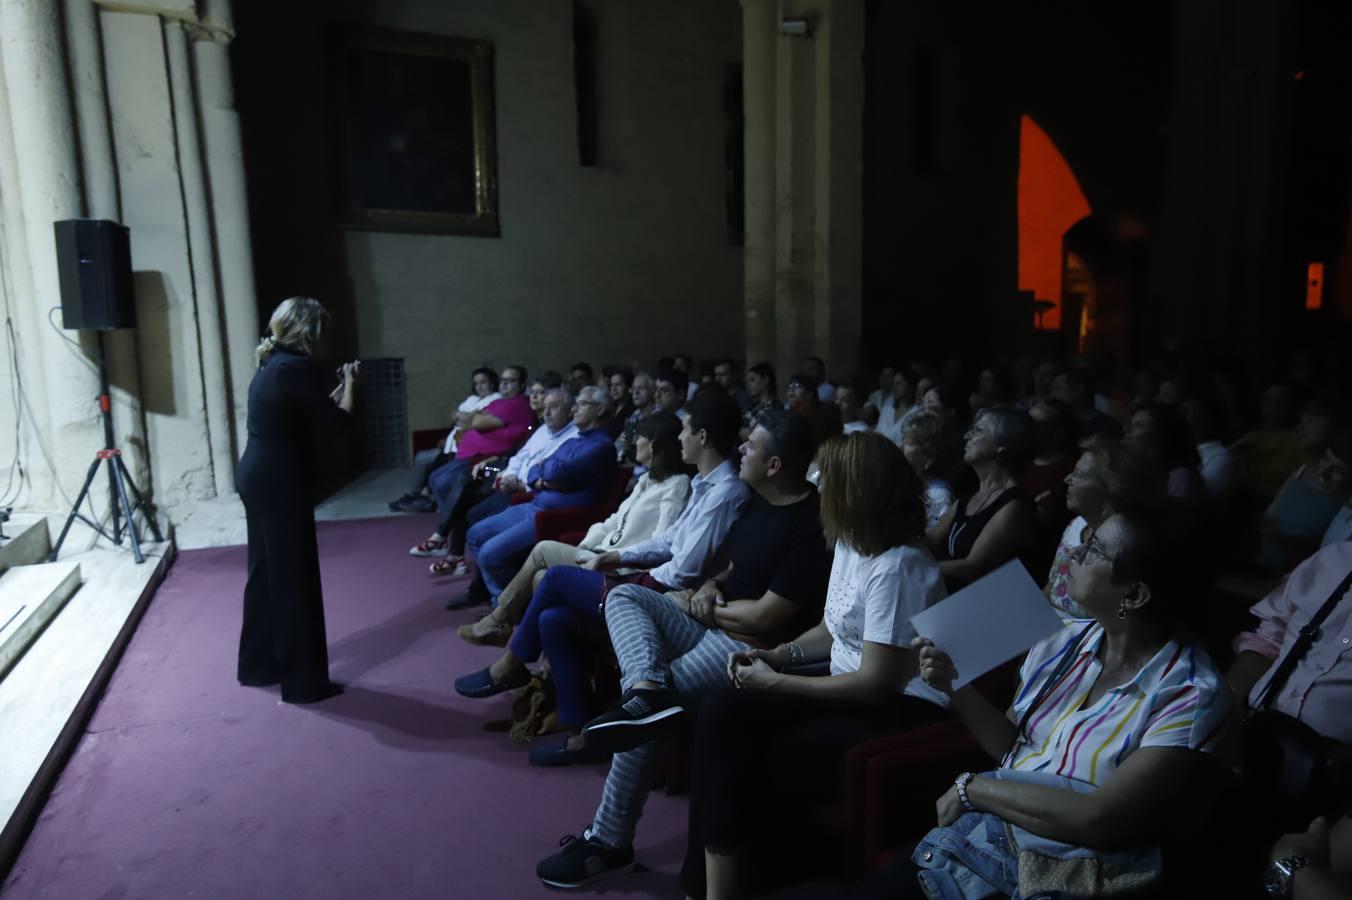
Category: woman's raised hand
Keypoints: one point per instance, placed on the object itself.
(936, 668)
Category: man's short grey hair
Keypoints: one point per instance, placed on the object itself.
(563, 392)
(593, 394)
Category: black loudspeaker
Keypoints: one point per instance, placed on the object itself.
(93, 257)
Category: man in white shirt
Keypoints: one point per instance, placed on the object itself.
(487, 495)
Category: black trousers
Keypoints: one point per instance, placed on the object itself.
(282, 639)
(764, 764)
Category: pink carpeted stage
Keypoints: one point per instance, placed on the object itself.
(188, 785)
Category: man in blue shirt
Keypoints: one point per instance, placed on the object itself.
(579, 473)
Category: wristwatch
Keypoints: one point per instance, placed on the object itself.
(1277, 877)
(961, 783)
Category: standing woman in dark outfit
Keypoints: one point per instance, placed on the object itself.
(290, 418)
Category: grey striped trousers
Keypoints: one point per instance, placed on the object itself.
(654, 641)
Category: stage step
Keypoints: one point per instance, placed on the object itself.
(27, 541)
(30, 597)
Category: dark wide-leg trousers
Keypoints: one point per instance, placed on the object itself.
(283, 638)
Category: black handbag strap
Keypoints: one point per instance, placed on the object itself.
(1309, 633)
(1020, 735)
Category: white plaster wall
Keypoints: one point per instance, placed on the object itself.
(626, 261)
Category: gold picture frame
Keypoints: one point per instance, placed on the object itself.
(416, 128)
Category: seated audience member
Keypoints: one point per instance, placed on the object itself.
(997, 521)
(815, 368)
(651, 508)
(1295, 522)
(993, 388)
(1056, 443)
(884, 389)
(567, 595)
(1161, 429)
(673, 649)
(729, 379)
(619, 384)
(643, 397)
(1266, 456)
(536, 396)
(580, 472)
(1337, 470)
(1318, 690)
(851, 410)
(1075, 388)
(483, 391)
(804, 401)
(673, 390)
(791, 733)
(898, 406)
(1218, 469)
(685, 364)
(1110, 477)
(495, 430)
(763, 391)
(1112, 724)
(497, 491)
(931, 444)
(580, 376)
(1044, 380)
(941, 398)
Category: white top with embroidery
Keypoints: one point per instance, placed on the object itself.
(872, 598)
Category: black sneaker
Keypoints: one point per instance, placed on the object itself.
(398, 505)
(638, 717)
(583, 860)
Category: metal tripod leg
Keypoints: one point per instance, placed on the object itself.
(126, 510)
(140, 501)
(75, 510)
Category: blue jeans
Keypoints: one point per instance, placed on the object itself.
(499, 545)
(565, 604)
(448, 483)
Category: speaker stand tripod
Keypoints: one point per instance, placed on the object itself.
(119, 483)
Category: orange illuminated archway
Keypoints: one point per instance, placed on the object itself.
(1050, 202)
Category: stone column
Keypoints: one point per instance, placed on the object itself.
(229, 204)
(839, 199)
(102, 201)
(760, 30)
(45, 171)
(804, 204)
(202, 261)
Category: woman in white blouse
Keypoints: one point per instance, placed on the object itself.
(791, 732)
(656, 501)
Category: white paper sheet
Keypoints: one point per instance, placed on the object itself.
(989, 622)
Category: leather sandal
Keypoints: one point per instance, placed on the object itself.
(447, 566)
(430, 547)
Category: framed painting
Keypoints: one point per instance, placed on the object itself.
(415, 124)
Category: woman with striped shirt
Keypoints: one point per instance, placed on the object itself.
(1112, 723)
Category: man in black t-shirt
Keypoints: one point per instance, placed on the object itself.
(673, 648)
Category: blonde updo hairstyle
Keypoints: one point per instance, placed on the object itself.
(297, 322)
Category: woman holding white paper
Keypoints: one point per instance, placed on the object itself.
(1113, 721)
(791, 732)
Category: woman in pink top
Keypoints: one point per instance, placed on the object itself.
(495, 430)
